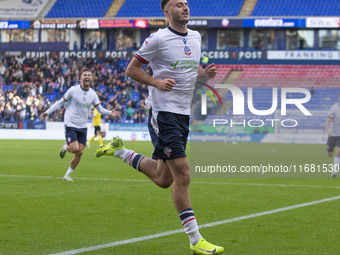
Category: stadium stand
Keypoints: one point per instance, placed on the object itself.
(79, 8)
(25, 95)
(323, 80)
(151, 8)
(223, 72)
(288, 75)
(296, 8)
(136, 8)
(116, 90)
(201, 8)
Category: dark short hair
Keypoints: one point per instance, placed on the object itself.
(164, 3)
(84, 69)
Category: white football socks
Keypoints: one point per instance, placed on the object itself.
(190, 226)
(69, 171)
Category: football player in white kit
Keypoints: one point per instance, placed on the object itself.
(333, 132)
(80, 97)
(174, 54)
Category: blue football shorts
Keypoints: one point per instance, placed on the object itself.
(169, 134)
(75, 134)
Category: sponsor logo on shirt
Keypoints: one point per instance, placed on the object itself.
(186, 64)
(82, 105)
(174, 65)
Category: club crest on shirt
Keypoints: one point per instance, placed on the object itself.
(187, 51)
(167, 151)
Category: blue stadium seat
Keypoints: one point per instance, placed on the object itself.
(151, 8)
(51, 97)
(296, 8)
(76, 8)
(7, 87)
(100, 88)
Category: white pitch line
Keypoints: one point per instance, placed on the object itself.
(212, 224)
(80, 178)
(192, 182)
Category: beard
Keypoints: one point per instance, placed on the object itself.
(180, 20)
(87, 82)
(184, 21)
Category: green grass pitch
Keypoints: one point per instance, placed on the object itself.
(110, 202)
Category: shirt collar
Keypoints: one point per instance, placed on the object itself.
(176, 32)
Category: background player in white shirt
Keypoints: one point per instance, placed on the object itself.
(79, 98)
(333, 132)
(174, 54)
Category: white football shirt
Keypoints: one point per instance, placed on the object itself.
(334, 114)
(172, 55)
(79, 103)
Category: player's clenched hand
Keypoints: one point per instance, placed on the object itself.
(43, 115)
(166, 84)
(210, 71)
(115, 113)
